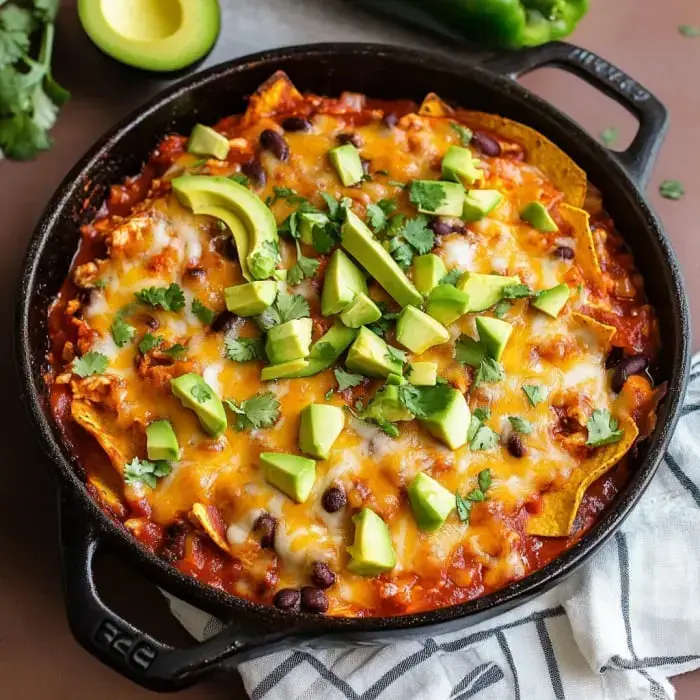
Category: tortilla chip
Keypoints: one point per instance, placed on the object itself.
(433, 106)
(209, 519)
(561, 504)
(586, 255)
(107, 495)
(602, 331)
(277, 95)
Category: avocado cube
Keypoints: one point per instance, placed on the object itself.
(360, 311)
(326, 350)
(484, 290)
(493, 335)
(450, 425)
(347, 163)
(294, 476)
(204, 141)
(459, 165)
(428, 270)
(395, 380)
(447, 303)
(536, 214)
(289, 341)
(372, 551)
(319, 427)
(452, 198)
(369, 355)
(194, 393)
(284, 370)
(161, 441)
(387, 406)
(251, 298)
(479, 203)
(342, 283)
(280, 275)
(418, 331)
(430, 501)
(552, 301)
(423, 373)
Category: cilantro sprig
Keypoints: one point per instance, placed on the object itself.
(259, 411)
(287, 307)
(122, 332)
(479, 435)
(143, 471)
(303, 268)
(90, 363)
(244, 349)
(423, 401)
(347, 380)
(414, 237)
(535, 393)
(426, 195)
(202, 312)
(476, 495)
(378, 214)
(603, 429)
(170, 298)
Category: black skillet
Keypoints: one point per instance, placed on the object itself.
(379, 71)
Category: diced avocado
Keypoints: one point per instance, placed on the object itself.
(386, 406)
(361, 311)
(536, 214)
(196, 394)
(289, 341)
(292, 475)
(395, 379)
(341, 284)
(430, 501)
(197, 191)
(372, 551)
(319, 427)
(447, 303)
(479, 203)
(484, 290)
(325, 351)
(204, 141)
(347, 163)
(418, 331)
(493, 335)
(239, 233)
(369, 355)
(285, 370)
(552, 301)
(251, 298)
(423, 373)
(307, 222)
(161, 441)
(452, 198)
(459, 165)
(471, 352)
(428, 270)
(451, 424)
(359, 241)
(280, 275)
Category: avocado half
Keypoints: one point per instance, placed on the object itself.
(156, 35)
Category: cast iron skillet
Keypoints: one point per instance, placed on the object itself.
(380, 71)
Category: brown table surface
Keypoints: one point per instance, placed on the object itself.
(38, 657)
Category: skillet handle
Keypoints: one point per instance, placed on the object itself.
(115, 641)
(641, 155)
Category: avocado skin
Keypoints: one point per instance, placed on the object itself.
(372, 551)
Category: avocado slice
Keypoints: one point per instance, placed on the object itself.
(369, 355)
(204, 141)
(196, 394)
(484, 290)
(493, 335)
(251, 298)
(479, 203)
(197, 191)
(347, 163)
(239, 233)
(386, 406)
(452, 198)
(361, 311)
(161, 441)
(423, 373)
(536, 214)
(447, 303)
(430, 501)
(320, 426)
(395, 379)
(289, 341)
(342, 283)
(552, 301)
(284, 370)
(372, 551)
(452, 423)
(358, 240)
(459, 165)
(417, 331)
(326, 350)
(293, 475)
(428, 270)
(163, 37)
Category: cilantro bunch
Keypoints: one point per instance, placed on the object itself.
(29, 96)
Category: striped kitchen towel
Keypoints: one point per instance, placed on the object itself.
(616, 630)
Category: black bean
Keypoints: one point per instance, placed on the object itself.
(271, 141)
(321, 575)
(351, 137)
(223, 321)
(287, 599)
(563, 252)
(296, 124)
(230, 250)
(390, 120)
(255, 171)
(266, 525)
(614, 357)
(487, 145)
(516, 446)
(442, 226)
(634, 364)
(313, 600)
(333, 499)
(196, 272)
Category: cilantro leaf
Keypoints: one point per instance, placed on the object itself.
(170, 298)
(426, 195)
(501, 309)
(424, 401)
(603, 429)
(417, 233)
(200, 393)
(336, 208)
(476, 495)
(469, 351)
(323, 238)
(516, 291)
(286, 193)
(241, 179)
(329, 394)
(671, 189)
(401, 252)
(389, 428)
(122, 332)
(287, 307)
(303, 268)
(465, 135)
(324, 352)
(535, 393)
(244, 349)
(381, 326)
(395, 355)
(259, 411)
(452, 277)
(484, 479)
(484, 438)
(143, 471)
(203, 313)
(90, 363)
(483, 414)
(378, 214)
(395, 225)
(464, 508)
(346, 380)
(520, 425)
(689, 31)
(176, 351)
(148, 342)
(489, 372)
(609, 135)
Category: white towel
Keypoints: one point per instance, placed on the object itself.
(616, 630)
